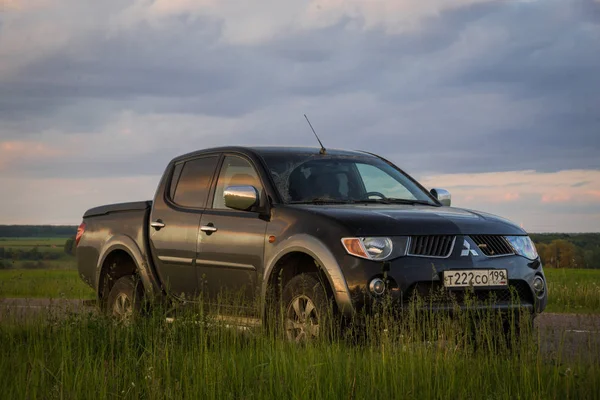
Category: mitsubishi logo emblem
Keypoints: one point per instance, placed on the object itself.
(467, 249)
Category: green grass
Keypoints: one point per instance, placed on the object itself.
(67, 263)
(89, 357)
(51, 254)
(31, 242)
(573, 290)
(41, 249)
(570, 290)
(43, 284)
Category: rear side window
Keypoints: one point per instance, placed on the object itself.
(194, 182)
(175, 180)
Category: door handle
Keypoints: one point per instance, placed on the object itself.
(158, 224)
(208, 229)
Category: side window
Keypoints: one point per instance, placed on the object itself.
(194, 182)
(234, 172)
(175, 180)
(376, 180)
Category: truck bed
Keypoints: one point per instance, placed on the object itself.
(118, 207)
(122, 226)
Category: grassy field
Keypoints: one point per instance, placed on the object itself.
(43, 283)
(90, 357)
(31, 242)
(570, 290)
(35, 253)
(573, 290)
(67, 263)
(41, 249)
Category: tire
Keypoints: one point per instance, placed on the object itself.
(307, 313)
(125, 299)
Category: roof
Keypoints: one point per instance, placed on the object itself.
(265, 150)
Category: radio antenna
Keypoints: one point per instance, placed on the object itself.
(323, 149)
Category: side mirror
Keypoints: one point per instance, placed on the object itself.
(240, 197)
(442, 195)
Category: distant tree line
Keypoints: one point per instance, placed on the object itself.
(34, 257)
(568, 250)
(31, 258)
(37, 230)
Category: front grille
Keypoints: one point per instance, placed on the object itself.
(431, 246)
(493, 245)
(434, 293)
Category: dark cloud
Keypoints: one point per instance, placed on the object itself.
(490, 87)
(580, 184)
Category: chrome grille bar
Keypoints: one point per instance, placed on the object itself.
(438, 246)
(493, 245)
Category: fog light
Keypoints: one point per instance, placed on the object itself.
(377, 286)
(538, 286)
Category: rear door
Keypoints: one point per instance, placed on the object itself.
(174, 223)
(230, 258)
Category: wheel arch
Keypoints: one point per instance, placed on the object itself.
(125, 252)
(301, 249)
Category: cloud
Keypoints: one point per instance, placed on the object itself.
(63, 201)
(547, 186)
(25, 152)
(511, 196)
(541, 201)
(463, 87)
(257, 22)
(556, 198)
(594, 193)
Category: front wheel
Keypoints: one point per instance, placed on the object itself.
(125, 299)
(307, 312)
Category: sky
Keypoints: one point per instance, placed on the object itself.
(497, 101)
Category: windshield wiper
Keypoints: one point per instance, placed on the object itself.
(389, 200)
(394, 200)
(376, 201)
(321, 200)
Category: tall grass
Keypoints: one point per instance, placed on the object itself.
(570, 290)
(44, 284)
(89, 356)
(573, 290)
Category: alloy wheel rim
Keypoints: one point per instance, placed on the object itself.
(123, 307)
(302, 320)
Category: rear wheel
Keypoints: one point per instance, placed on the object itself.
(307, 314)
(124, 301)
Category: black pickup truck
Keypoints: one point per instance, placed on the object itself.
(309, 227)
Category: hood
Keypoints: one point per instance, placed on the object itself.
(400, 220)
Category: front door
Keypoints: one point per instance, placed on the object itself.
(174, 223)
(231, 243)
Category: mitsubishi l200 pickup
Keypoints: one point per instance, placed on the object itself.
(308, 228)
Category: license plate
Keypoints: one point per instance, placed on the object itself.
(476, 278)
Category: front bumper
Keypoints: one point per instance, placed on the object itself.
(418, 281)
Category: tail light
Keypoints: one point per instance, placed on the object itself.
(80, 231)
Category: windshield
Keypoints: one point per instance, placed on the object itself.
(314, 178)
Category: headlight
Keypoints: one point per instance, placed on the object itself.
(371, 248)
(523, 246)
